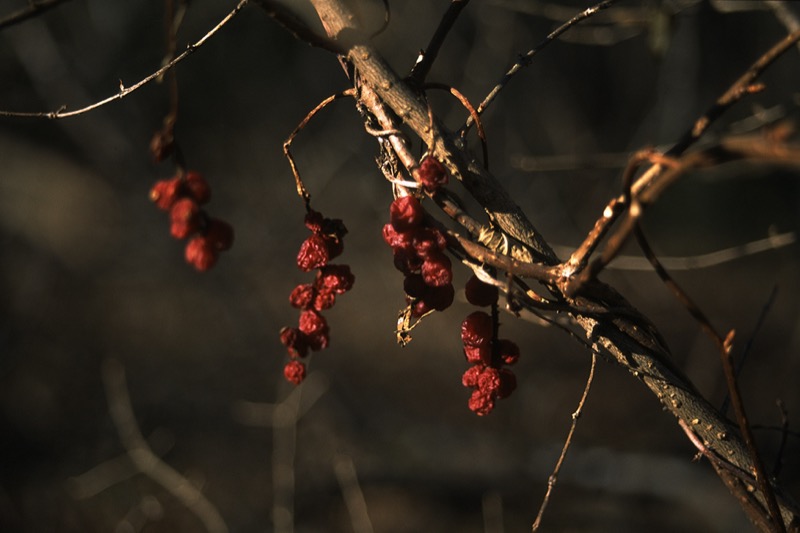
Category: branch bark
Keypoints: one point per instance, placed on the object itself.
(627, 336)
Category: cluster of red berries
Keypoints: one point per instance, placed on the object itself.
(182, 196)
(324, 243)
(419, 254)
(487, 354)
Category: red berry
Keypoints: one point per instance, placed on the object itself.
(314, 253)
(197, 187)
(420, 308)
(508, 351)
(294, 372)
(437, 270)
(165, 193)
(415, 286)
(311, 322)
(440, 298)
(470, 377)
(302, 296)
(428, 241)
(220, 234)
(481, 403)
(508, 383)
(406, 213)
(335, 278)
(184, 218)
(489, 381)
(406, 260)
(481, 355)
(319, 340)
(397, 239)
(431, 174)
(295, 341)
(313, 221)
(323, 299)
(480, 293)
(162, 144)
(477, 329)
(200, 253)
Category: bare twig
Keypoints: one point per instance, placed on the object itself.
(525, 59)
(34, 9)
(125, 91)
(551, 482)
(426, 58)
(119, 406)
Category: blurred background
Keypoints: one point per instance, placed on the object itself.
(89, 274)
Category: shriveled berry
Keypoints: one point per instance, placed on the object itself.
(437, 270)
(431, 174)
(420, 308)
(508, 351)
(220, 234)
(184, 218)
(335, 278)
(470, 377)
(319, 340)
(334, 228)
(302, 296)
(197, 187)
(314, 221)
(478, 354)
(294, 372)
(406, 260)
(481, 403)
(323, 299)
(476, 329)
(508, 383)
(406, 213)
(440, 298)
(415, 286)
(311, 322)
(480, 293)
(397, 239)
(162, 144)
(295, 341)
(428, 241)
(489, 380)
(200, 253)
(166, 192)
(314, 253)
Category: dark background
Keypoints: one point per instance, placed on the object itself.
(88, 272)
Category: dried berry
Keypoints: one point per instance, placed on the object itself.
(397, 239)
(431, 174)
(294, 372)
(323, 300)
(184, 218)
(319, 340)
(508, 383)
(295, 341)
(165, 193)
(476, 329)
(508, 351)
(470, 377)
(406, 260)
(197, 187)
(314, 253)
(481, 403)
(302, 296)
(311, 322)
(314, 221)
(428, 241)
(335, 278)
(489, 381)
(437, 270)
(440, 298)
(200, 253)
(406, 213)
(162, 144)
(220, 234)
(478, 354)
(415, 286)
(480, 293)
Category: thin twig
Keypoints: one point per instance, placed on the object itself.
(525, 59)
(472, 113)
(553, 479)
(119, 406)
(423, 65)
(301, 189)
(34, 9)
(125, 91)
(762, 480)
